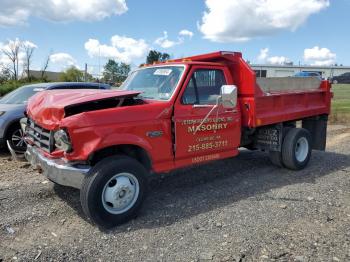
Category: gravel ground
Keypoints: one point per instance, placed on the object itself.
(240, 209)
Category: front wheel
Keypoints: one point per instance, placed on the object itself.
(114, 191)
(296, 149)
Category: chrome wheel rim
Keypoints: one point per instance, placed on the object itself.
(120, 193)
(17, 138)
(301, 149)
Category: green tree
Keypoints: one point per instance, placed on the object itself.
(115, 73)
(72, 74)
(155, 56)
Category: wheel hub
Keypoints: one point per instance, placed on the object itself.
(301, 149)
(120, 193)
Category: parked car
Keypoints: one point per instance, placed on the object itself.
(308, 74)
(12, 107)
(341, 79)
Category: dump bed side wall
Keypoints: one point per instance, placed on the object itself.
(288, 84)
(287, 106)
(278, 102)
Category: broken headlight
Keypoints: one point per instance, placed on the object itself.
(62, 140)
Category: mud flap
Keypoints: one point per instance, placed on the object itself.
(317, 126)
(269, 138)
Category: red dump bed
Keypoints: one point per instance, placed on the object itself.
(274, 100)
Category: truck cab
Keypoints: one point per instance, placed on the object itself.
(168, 116)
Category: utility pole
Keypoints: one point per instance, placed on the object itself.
(85, 73)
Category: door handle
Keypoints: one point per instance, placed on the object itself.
(203, 106)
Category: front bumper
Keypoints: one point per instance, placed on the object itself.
(57, 170)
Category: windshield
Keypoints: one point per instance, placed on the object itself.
(156, 83)
(21, 95)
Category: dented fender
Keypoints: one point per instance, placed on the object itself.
(92, 146)
(91, 139)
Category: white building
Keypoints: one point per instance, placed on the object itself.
(291, 70)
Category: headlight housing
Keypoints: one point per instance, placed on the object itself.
(62, 140)
(2, 113)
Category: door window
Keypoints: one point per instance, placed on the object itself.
(204, 87)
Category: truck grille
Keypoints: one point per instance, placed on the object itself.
(40, 137)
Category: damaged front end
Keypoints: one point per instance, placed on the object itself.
(48, 136)
(47, 111)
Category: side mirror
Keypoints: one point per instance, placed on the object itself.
(229, 96)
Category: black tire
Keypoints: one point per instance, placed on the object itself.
(93, 188)
(276, 156)
(15, 138)
(292, 158)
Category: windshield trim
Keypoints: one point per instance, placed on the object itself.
(163, 65)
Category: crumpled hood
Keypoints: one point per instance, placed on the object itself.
(47, 108)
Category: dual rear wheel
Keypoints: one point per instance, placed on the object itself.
(296, 149)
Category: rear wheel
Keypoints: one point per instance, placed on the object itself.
(296, 149)
(114, 191)
(15, 136)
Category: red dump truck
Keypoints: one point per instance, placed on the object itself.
(167, 116)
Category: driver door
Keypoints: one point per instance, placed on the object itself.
(203, 130)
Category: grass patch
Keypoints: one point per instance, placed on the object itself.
(341, 92)
(8, 87)
(341, 104)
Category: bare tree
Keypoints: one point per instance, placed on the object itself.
(45, 65)
(11, 50)
(28, 48)
(5, 73)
